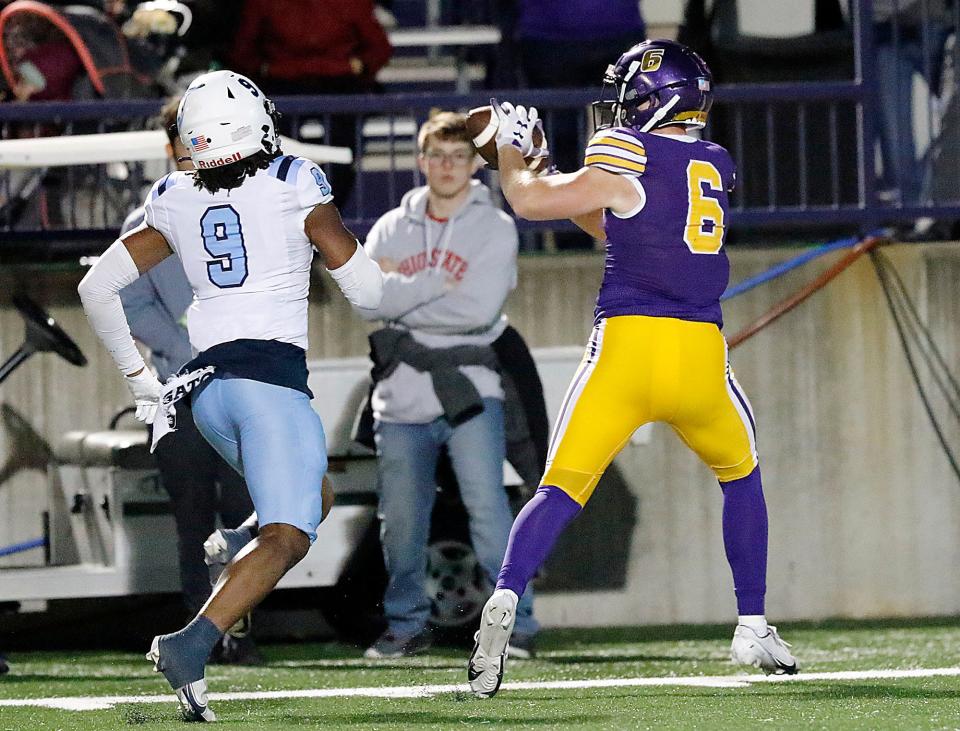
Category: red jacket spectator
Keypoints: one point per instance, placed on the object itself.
(47, 72)
(300, 39)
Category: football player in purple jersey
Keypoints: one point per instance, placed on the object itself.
(659, 198)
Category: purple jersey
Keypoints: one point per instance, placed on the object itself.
(665, 258)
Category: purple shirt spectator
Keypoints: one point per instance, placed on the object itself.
(580, 19)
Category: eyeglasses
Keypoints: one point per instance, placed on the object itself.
(458, 158)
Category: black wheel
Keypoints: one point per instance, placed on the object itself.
(456, 585)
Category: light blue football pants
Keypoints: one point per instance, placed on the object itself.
(271, 436)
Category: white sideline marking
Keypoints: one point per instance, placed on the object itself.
(92, 703)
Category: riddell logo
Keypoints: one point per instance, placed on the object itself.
(219, 161)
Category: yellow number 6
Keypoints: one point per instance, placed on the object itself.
(704, 231)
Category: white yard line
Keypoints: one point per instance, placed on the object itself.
(93, 703)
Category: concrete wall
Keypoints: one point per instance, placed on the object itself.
(863, 505)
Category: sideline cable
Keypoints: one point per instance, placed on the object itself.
(784, 306)
(906, 318)
(790, 264)
(24, 546)
(927, 346)
(882, 266)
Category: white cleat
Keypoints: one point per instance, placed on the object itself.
(767, 653)
(489, 656)
(192, 697)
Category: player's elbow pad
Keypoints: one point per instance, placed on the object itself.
(360, 280)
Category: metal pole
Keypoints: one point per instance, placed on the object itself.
(433, 21)
(867, 109)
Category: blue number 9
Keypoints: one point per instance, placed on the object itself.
(223, 240)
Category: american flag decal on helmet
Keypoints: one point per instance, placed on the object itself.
(199, 144)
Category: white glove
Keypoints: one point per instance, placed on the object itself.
(146, 390)
(515, 126)
(544, 149)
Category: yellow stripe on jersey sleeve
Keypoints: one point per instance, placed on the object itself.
(634, 147)
(623, 133)
(614, 164)
(617, 153)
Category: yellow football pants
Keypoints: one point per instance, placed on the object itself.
(640, 369)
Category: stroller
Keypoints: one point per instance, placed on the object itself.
(111, 68)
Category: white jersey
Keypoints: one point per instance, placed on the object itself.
(244, 250)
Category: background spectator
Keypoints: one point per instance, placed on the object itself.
(45, 62)
(209, 40)
(569, 45)
(909, 39)
(450, 260)
(314, 47)
(46, 67)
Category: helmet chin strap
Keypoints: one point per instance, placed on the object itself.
(660, 114)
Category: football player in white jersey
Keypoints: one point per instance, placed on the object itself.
(245, 225)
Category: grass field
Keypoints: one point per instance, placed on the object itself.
(670, 658)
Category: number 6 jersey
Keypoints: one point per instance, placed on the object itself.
(665, 258)
(244, 250)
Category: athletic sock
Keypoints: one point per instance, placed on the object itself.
(534, 532)
(756, 622)
(184, 654)
(745, 540)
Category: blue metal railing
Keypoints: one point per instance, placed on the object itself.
(805, 151)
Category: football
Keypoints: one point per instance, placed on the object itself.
(482, 126)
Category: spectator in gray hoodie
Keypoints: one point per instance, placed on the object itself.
(450, 259)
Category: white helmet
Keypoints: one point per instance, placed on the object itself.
(223, 117)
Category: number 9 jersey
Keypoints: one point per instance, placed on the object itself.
(243, 250)
(665, 258)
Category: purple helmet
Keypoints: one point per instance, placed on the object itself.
(656, 84)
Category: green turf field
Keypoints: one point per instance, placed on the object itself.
(861, 702)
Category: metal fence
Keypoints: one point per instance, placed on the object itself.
(806, 150)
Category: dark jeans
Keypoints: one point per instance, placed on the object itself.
(201, 486)
(896, 65)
